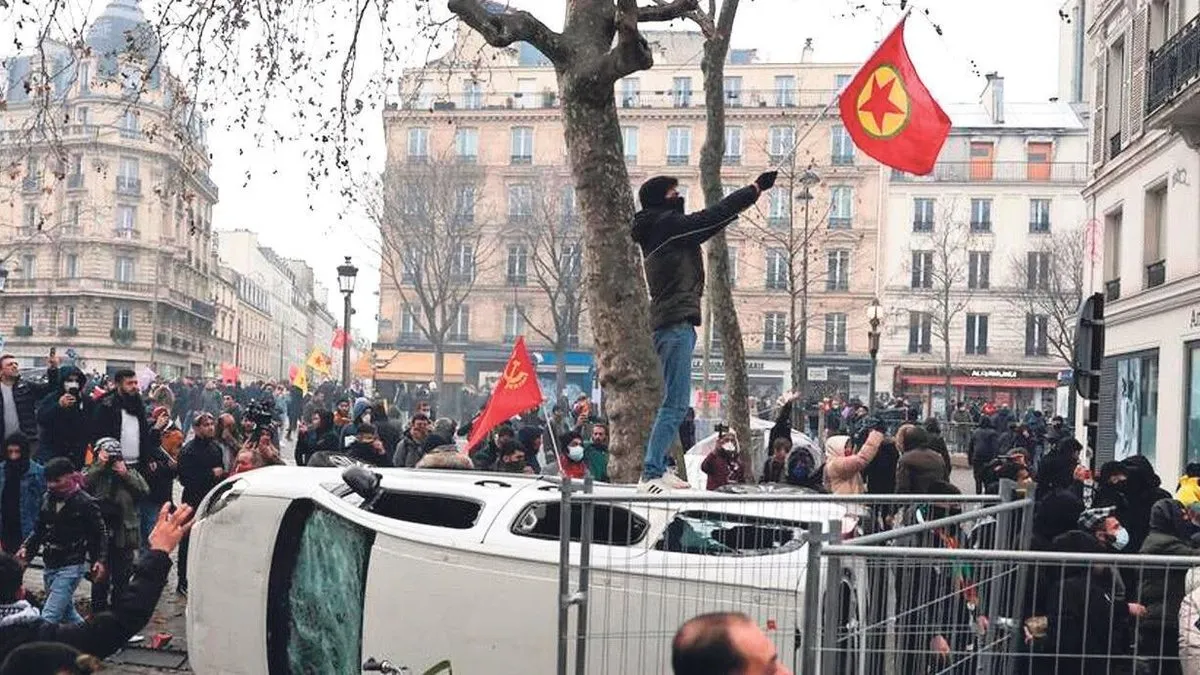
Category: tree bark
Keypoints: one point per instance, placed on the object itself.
(723, 312)
(560, 370)
(946, 352)
(439, 372)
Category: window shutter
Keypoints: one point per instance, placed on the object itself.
(985, 270)
(914, 329)
(1137, 80)
(1099, 142)
(982, 329)
(1030, 320)
(1106, 436)
(916, 269)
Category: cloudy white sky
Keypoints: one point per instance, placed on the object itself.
(1018, 38)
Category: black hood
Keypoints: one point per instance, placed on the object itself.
(653, 193)
(1166, 516)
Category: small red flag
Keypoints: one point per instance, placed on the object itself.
(515, 392)
(890, 114)
(339, 338)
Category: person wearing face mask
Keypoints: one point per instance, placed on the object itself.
(22, 483)
(1162, 589)
(722, 465)
(670, 241)
(573, 455)
(512, 458)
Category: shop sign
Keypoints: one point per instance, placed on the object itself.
(995, 374)
(718, 365)
(818, 374)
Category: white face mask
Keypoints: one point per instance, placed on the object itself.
(729, 447)
(366, 418)
(575, 452)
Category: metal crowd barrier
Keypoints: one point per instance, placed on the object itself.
(634, 567)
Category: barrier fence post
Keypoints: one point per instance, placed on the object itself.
(564, 572)
(587, 518)
(832, 605)
(1026, 534)
(811, 629)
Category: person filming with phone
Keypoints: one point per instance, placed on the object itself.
(64, 414)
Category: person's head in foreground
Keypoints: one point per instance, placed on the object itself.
(725, 643)
(49, 658)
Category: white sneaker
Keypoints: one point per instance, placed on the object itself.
(662, 485)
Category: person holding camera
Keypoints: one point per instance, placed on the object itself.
(118, 490)
(64, 416)
(670, 240)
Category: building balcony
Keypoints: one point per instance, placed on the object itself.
(548, 99)
(129, 186)
(127, 286)
(677, 160)
(1112, 289)
(1000, 172)
(31, 184)
(22, 331)
(75, 181)
(123, 335)
(68, 331)
(1173, 80)
(127, 233)
(1156, 274)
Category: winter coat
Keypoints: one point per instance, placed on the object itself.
(158, 470)
(68, 531)
(367, 454)
(1162, 589)
(1189, 623)
(197, 460)
(26, 396)
(597, 460)
(938, 445)
(117, 497)
(33, 486)
(773, 471)
(408, 452)
(880, 473)
(722, 469)
(918, 469)
(65, 430)
(984, 445)
(843, 472)
(105, 632)
(670, 241)
(106, 422)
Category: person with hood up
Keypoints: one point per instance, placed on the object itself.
(723, 466)
(22, 484)
(64, 415)
(318, 435)
(982, 449)
(937, 443)
(360, 413)
(388, 430)
(367, 447)
(1162, 589)
(117, 489)
(844, 463)
(670, 242)
(918, 467)
(573, 461)
(530, 438)
(1187, 491)
(69, 532)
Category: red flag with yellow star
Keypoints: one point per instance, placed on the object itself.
(890, 114)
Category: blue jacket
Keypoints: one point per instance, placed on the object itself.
(33, 486)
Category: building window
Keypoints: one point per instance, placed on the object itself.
(1116, 94)
(979, 270)
(568, 208)
(923, 214)
(526, 96)
(842, 152)
(464, 205)
(838, 278)
(841, 80)
(572, 263)
(29, 219)
(630, 92)
(774, 332)
(28, 266)
(410, 262)
(27, 316)
(72, 216)
(409, 326)
(71, 266)
(1037, 271)
(777, 270)
(733, 145)
(977, 333)
(462, 265)
(1153, 233)
(922, 269)
(466, 144)
(460, 328)
(733, 266)
(785, 90)
(520, 203)
(123, 318)
(733, 91)
(920, 332)
(128, 176)
(1113, 223)
(681, 92)
(981, 215)
(1193, 406)
(981, 160)
(518, 264)
(780, 142)
(124, 270)
(779, 209)
(841, 207)
(129, 124)
(679, 145)
(126, 220)
(418, 145)
(522, 145)
(69, 320)
(514, 323)
(1039, 215)
(1037, 161)
(629, 141)
(1036, 326)
(472, 94)
(835, 333)
(1136, 407)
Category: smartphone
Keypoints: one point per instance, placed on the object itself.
(71, 387)
(53, 351)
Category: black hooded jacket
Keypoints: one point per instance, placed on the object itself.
(670, 242)
(984, 446)
(65, 430)
(26, 396)
(323, 438)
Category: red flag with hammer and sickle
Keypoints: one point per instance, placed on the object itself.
(515, 392)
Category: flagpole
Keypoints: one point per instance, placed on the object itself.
(836, 95)
(553, 442)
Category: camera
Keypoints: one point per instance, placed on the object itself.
(262, 414)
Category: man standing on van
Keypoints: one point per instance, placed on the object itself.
(670, 241)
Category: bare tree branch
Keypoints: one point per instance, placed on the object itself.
(1055, 291)
(503, 29)
(663, 10)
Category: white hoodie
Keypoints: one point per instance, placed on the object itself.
(1189, 624)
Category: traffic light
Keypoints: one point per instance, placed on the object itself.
(1088, 359)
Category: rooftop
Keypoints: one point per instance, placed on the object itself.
(1035, 115)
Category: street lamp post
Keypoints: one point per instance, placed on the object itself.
(346, 274)
(874, 318)
(800, 349)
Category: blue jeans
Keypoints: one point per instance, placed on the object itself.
(147, 516)
(61, 583)
(674, 345)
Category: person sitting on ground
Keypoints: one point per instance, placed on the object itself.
(724, 643)
(367, 448)
(106, 632)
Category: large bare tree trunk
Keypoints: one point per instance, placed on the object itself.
(724, 313)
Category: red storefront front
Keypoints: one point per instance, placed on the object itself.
(1018, 389)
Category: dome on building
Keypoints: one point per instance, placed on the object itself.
(122, 29)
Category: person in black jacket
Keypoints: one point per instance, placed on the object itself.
(19, 399)
(319, 435)
(121, 414)
(108, 631)
(64, 416)
(670, 241)
(69, 531)
(201, 468)
(982, 449)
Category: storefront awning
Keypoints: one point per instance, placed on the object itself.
(998, 383)
(417, 367)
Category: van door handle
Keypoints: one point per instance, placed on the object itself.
(384, 666)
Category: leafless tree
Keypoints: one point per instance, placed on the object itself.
(1048, 283)
(553, 242)
(432, 239)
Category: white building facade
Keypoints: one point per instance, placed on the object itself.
(1144, 197)
(972, 242)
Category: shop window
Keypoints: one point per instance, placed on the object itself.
(1193, 409)
(1136, 409)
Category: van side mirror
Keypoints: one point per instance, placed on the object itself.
(364, 482)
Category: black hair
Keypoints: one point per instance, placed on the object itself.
(702, 646)
(932, 426)
(123, 374)
(20, 440)
(419, 416)
(366, 429)
(11, 576)
(59, 467)
(915, 437)
(653, 193)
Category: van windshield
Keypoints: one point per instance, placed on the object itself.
(715, 533)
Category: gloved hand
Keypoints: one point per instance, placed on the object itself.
(766, 180)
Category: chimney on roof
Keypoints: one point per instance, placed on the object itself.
(806, 53)
(993, 97)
